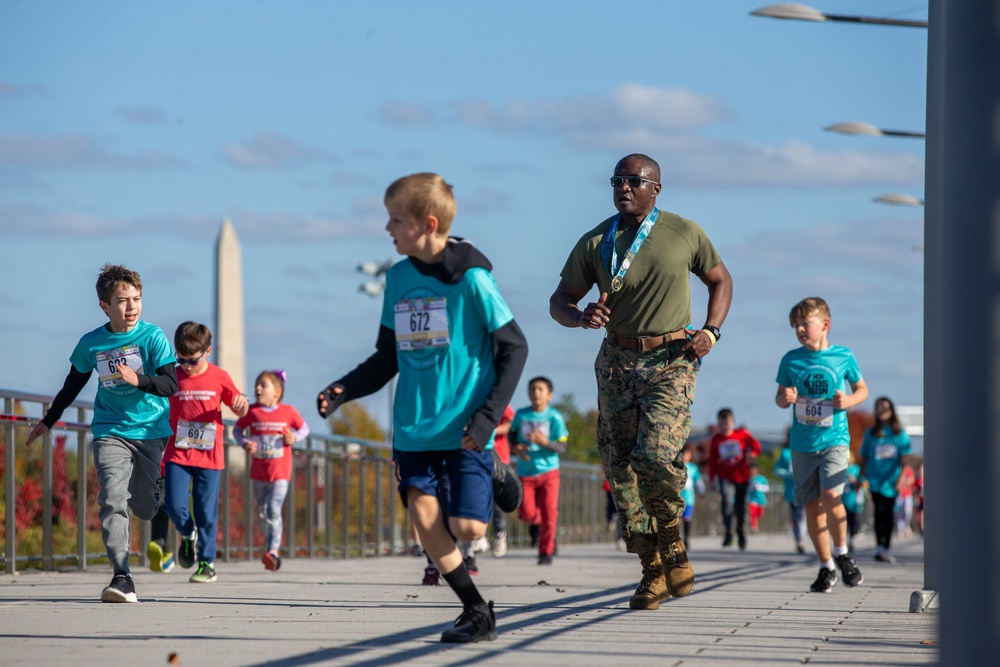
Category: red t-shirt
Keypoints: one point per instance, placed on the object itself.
(727, 457)
(196, 418)
(273, 458)
(500, 442)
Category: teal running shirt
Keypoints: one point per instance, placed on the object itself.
(816, 425)
(119, 408)
(444, 352)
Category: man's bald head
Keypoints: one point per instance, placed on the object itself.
(652, 166)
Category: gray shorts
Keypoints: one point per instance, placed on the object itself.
(816, 471)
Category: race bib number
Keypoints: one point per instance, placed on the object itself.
(269, 446)
(421, 323)
(813, 412)
(108, 362)
(885, 451)
(730, 451)
(528, 428)
(195, 435)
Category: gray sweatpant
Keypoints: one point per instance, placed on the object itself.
(128, 472)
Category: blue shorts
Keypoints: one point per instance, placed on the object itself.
(469, 474)
(688, 512)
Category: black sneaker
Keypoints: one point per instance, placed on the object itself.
(121, 589)
(544, 559)
(849, 571)
(431, 576)
(205, 574)
(476, 624)
(186, 555)
(471, 565)
(825, 582)
(507, 489)
(741, 540)
(727, 541)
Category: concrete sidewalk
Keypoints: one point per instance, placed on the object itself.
(749, 608)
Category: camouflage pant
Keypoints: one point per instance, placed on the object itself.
(644, 404)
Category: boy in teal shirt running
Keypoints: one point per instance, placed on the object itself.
(811, 380)
(539, 436)
(452, 339)
(131, 422)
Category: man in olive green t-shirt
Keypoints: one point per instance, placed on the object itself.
(641, 260)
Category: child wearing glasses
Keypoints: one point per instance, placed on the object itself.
(131, 421)
(196, 454)
(459, 354)
(811, 380)
(267, 432)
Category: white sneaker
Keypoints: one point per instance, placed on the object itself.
(500, 544)
(481, 545)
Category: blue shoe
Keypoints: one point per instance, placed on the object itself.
(167, 563)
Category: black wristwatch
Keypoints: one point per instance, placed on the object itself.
(715, 332)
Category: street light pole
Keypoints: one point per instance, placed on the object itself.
(962, 286)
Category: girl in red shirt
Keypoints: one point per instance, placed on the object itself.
(267, 432)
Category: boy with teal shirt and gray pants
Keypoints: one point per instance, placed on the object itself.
(131, 422)
(450, 336)
(811, 379)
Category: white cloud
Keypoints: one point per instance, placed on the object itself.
(350, 178)
(34, 221)
(27, 150)
(484, 200)
(865, 248)
(16, 91)
(144, 115)
(267, 150)
(663, 121)
(406, 114)
(715, 164)
(627, 107)
(249, 225)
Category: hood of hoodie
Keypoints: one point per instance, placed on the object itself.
(460, 255)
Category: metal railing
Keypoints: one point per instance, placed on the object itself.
(342, 502)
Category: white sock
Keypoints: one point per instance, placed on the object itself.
(839, 551)
(830, 565)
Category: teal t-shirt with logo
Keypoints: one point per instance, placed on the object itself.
(540, 459)
(444, 352)
(119, 408)
(818, 375)
(883, 455)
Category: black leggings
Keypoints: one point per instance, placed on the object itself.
(884, 519)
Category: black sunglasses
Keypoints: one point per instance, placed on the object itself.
(633, 181)
(190, 362)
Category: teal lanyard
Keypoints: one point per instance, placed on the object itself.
(609, 255)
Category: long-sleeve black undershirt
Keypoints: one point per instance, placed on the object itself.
(510, 353)
(164, 384)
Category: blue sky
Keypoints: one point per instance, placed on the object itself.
(129, 130)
